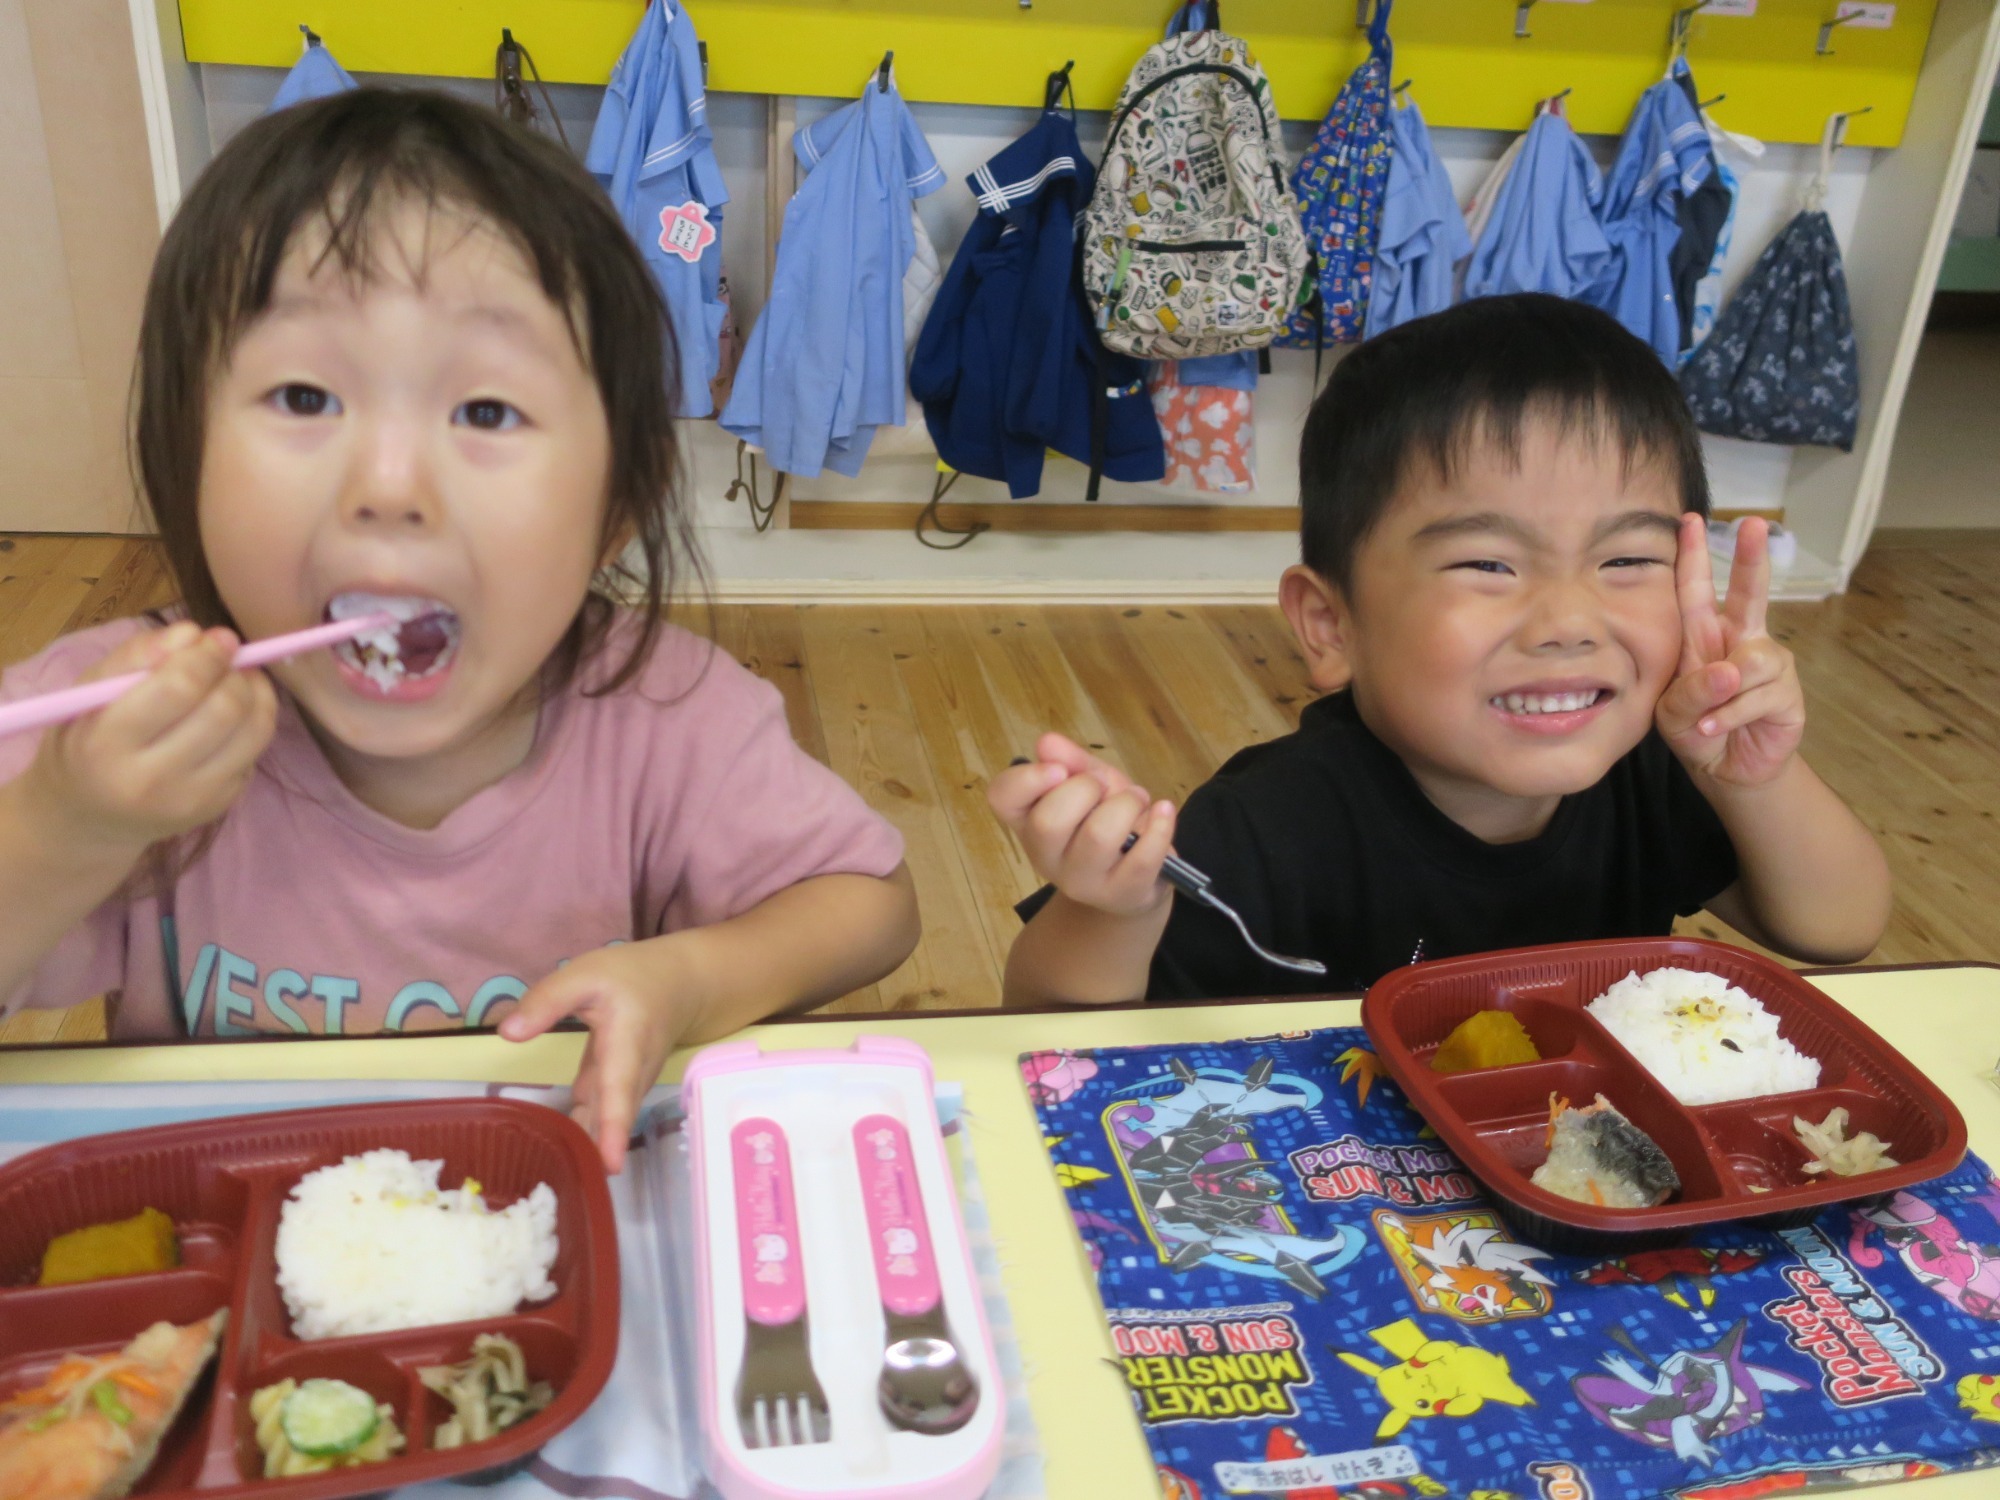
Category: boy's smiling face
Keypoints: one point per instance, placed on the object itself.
(1509, 627)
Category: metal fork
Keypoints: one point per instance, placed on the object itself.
(1193, 884)
(779, 1400)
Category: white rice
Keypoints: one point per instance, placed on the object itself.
(374, 1245)
(1675, 1021)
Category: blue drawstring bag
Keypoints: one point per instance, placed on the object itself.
(1781, 364)
(1339, 183)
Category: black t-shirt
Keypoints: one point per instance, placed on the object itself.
(1330, 850)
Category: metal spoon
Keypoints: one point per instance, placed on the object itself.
(925, 1386)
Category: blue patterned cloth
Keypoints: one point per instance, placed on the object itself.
(1310, 1298)
(1781, 365)
(1339, 183)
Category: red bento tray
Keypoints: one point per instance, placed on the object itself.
(1496, 1119)
(223, 1183)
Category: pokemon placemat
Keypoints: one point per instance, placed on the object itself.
(1310, 1299)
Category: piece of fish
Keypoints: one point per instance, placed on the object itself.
(1598, 1156)
(92, 1429)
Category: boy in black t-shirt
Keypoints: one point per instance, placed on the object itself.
(1539, 726)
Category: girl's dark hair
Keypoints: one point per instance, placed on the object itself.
(337, 166)
(1439, 389)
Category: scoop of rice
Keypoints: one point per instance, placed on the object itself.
(374, 1245)
(1706, 1040)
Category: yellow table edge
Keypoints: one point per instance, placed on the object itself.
(1091, 1440)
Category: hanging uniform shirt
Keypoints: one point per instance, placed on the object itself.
(1009, 355)
(1701, 216)
(653, 151)
(824, 366)
(314, 76)
(1543, 234)
(1664, 157)
(1422, 237)
(1708, 290)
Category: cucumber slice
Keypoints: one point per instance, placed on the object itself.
(327, 1418)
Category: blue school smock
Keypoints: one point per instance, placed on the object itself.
(824, 365)
(1008, 356)
(314, 76)
(1543, 234)
(1666, 154)
(1422, 236)
(653, 151)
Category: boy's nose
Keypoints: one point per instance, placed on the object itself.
(1565, 618)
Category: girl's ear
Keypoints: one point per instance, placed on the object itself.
(1321, 623)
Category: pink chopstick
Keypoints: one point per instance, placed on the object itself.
(69, 703)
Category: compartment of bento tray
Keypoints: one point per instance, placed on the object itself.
(1761, 1150)
(1507, 1110)
(67, 1187)
(40, 1326)
(1544, 1002)
(388, 1367)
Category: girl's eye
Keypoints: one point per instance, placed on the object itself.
(488, 414)
(297, 399)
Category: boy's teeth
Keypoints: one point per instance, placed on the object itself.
(1546, 703)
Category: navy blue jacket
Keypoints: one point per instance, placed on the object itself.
(1008, 356)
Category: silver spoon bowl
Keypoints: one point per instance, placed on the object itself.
(925, 1386)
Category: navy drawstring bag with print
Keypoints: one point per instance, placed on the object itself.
(1780, 365)
(1339, 183)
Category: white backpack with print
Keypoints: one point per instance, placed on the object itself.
(1191, 243)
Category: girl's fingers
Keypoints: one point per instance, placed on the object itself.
(185, 676)
(1694, 586)
(229, 710)
(1749, 578)
(554, 999)
(615, 1091)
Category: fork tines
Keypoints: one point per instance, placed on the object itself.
(779, 1401)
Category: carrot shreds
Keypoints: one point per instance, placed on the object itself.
(1557, 1104)
(1596, 1193)
(134, 1382)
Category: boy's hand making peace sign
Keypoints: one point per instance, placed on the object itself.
(1734, 712)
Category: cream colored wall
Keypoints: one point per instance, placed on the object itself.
(81, 223)
(1946, 467)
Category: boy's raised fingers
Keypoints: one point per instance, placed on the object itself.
(1694, 695)
(1694, 586)
(1749, 577)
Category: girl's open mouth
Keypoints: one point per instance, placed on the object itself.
(406, 661)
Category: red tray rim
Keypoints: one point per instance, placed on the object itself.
(1420, 1087)
(597, 1339)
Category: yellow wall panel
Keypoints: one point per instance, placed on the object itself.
(1469, 68)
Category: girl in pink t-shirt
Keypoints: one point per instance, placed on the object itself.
(399, 354)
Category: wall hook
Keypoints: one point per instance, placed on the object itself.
(1361, 14)
(1708, 104)
(311, 36)
(1052, 91)
(1521, 9)
(1677, 32)
(1401, 88)
(882, 73)
(1840, 119)
(1824, 48)
(1553, 100)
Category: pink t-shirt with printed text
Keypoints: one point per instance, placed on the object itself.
(678, 801)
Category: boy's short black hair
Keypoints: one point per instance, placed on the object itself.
(1439, 388)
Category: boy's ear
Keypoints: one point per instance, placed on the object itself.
(1322, 624)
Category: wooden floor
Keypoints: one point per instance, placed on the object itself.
(918, 706)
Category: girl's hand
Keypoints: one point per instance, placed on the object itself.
(1735, 713)
(170, 755)
(1073, 813)
(636, 1012)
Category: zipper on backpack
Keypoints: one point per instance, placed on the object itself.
(1178, 245)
